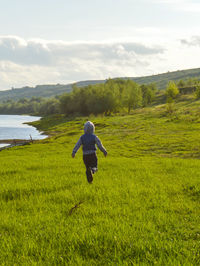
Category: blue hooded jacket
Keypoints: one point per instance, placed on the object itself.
(88, 139)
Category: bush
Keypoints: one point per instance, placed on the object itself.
(197, 92)
(171, 91)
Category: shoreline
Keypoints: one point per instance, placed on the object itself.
(9, 143)
(15, 141)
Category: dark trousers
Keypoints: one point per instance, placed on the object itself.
(90, 160)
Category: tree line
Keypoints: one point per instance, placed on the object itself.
(173, 89)
(115, 95)
(188, 82)
(32, 106)
(110, 97)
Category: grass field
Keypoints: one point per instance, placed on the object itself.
(143, 207)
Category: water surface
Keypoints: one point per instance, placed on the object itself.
(3, 145)
(13, 127)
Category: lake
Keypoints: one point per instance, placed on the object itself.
(13, 127)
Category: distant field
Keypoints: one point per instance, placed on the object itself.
(142, 209)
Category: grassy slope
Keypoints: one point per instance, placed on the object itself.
(143, 207)
(162, 79)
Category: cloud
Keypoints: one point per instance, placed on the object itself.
(39, 52)
(18, 50)
(193, 41)
(31, 62)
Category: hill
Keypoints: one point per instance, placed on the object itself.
(142, 208)
(42, 90)
(52, 90)
(162, 79)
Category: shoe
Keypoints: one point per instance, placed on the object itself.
(89, 175)
(94, 170)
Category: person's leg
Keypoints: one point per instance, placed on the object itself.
(89, 175)
(93, 162)
(87, 162)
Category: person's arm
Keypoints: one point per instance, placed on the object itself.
(100, 146)
(76, 147)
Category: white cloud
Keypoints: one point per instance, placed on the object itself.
(34, 62)
(193, 41)
(15, 75)
(18, 50)
(47, 53)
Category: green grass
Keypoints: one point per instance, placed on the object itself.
(142, 208)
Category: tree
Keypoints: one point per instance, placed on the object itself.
(66, 104)
(171, 91)
(148, 94)
(181, 83)
(197, 92)
(132, 95)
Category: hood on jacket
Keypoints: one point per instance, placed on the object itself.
(89, 127)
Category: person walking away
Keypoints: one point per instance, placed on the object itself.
(89, 141)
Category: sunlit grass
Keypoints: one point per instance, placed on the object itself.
(142, 208)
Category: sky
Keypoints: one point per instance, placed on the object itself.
(64, 41)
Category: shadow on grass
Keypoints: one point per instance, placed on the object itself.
(16, 194)
(193, 192)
